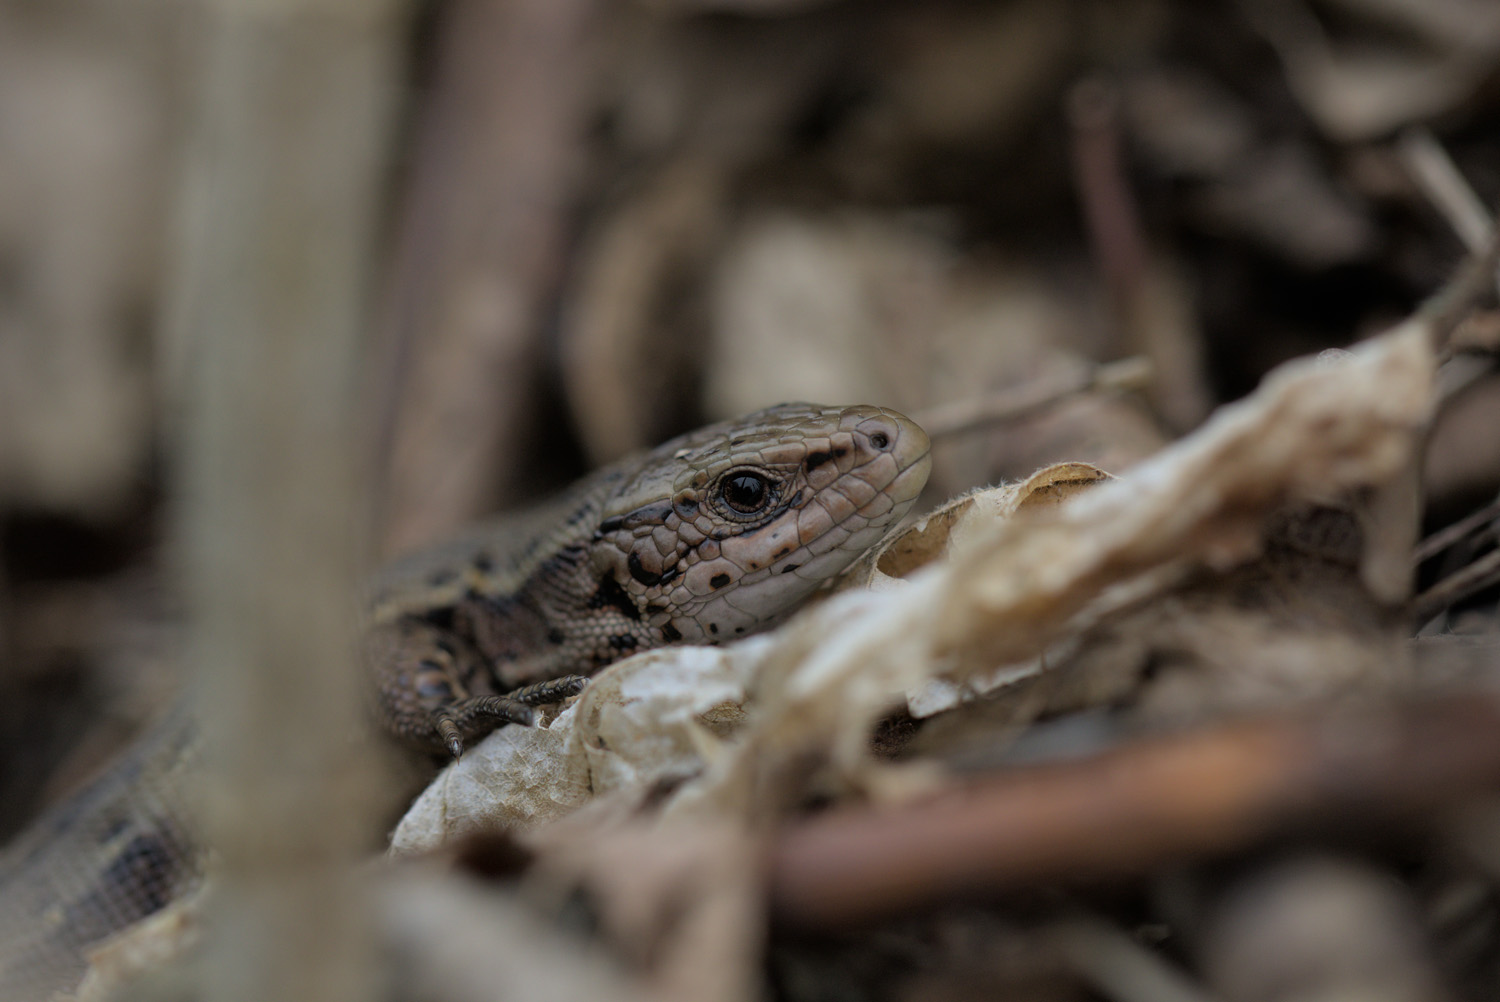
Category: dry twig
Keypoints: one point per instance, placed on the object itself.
(479, 257)
(1145, 320)
(1456, 587)
(292, 140)
(1011, 405)
(1136, 807)
(1440, 180)
(1447, 536)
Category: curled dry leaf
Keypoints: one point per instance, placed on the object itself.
(996, 578)
(951, 525)
(645, 720)
(948, 529)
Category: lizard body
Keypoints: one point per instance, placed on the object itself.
(710, 536)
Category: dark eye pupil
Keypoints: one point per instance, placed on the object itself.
(745, 492)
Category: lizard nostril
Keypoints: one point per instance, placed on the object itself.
(880, 440)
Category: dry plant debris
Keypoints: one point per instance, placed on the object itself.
(1162, 735)
(998, 577)
(660, 787)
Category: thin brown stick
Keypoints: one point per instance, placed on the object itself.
(1109, 208)
(1457, 586)
(1023, 401)
(1439, 178)
(1141, 302)
(480, 242)
(1137, 807)
(1447, 536)
(1448, 306)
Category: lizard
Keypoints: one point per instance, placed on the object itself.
(713, 535)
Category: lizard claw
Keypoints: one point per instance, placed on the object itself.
(452, 740)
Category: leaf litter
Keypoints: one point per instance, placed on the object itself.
(1228, 594)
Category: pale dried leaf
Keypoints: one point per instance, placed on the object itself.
(645, 719)
(932, 536)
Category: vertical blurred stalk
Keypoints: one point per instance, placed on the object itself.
(288, 150)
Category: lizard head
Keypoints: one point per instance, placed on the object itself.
(725, 530)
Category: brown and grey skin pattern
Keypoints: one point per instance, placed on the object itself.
(708, 537)
(109, 856)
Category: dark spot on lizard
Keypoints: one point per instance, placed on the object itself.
(841, 452)
(150, 865)
(782, 552)
(816, 459)
(623, 642)
(567, 558)
(484, 563)
(610, 524)
(789, 568)
(639, 572)
(718, 581)
(671, 633)
(670, 574)
(687, 509)
(440, 616)
(611, 593)
(649, 514)
(713, 628)
(655, 607)
(555, 636)
(739, 629)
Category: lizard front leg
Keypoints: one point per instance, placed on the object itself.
(431, 689)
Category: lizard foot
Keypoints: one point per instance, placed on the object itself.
(554, 690)
(478, 715)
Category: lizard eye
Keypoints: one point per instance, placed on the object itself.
(745, 492)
